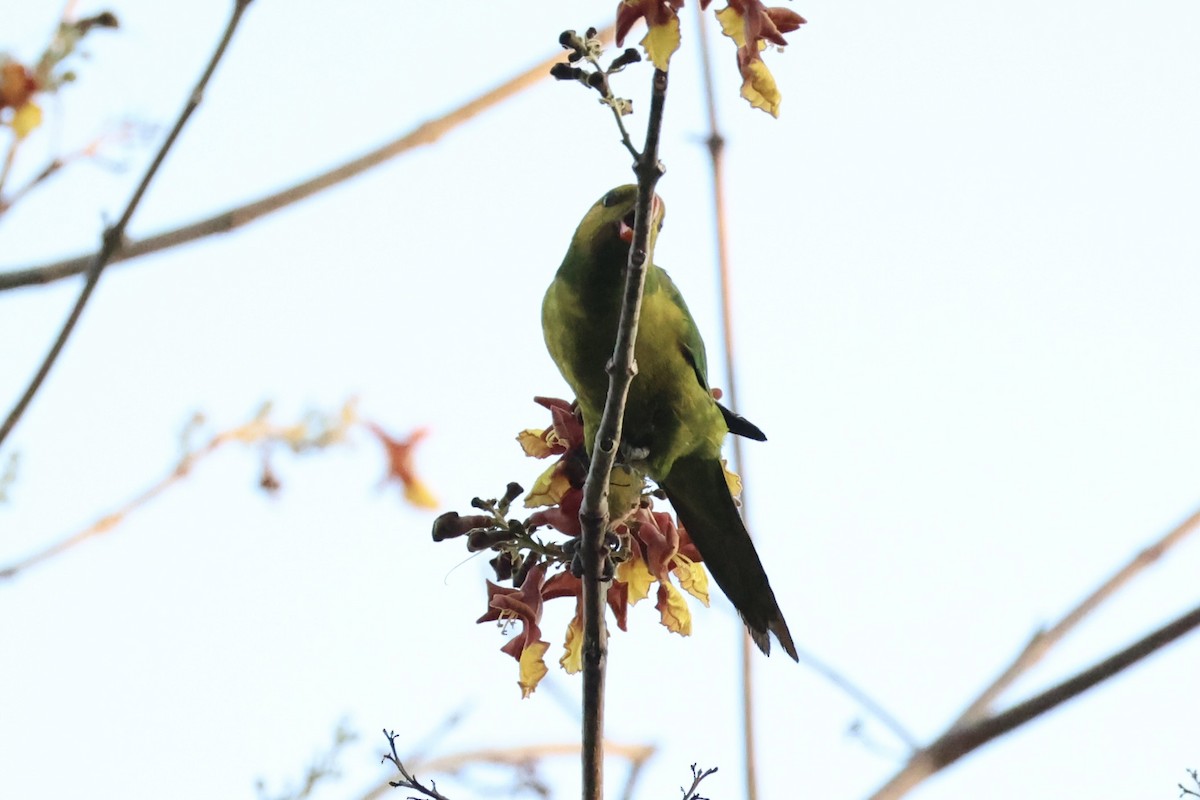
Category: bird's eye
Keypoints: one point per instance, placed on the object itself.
(610, 199)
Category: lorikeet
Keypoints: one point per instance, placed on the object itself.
(673, 427)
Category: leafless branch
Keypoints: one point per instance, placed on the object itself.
(957, 742)
(978, 725)
(593, 513)
(92, 150)
(1042, 641)
(234, 218)
(517, 757)
(1185, 791)
(112, 238)
(408, 781)
(259, 431)
(698, 775)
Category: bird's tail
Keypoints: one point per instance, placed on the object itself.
(696, 488)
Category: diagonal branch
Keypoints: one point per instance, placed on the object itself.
(1042, 641)
(977, 725)
(111, 240)
(258, 431)
(424, 134)
(593, 512)
(958, 742)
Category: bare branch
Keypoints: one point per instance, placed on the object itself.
(1185, 791)
(636, 754)
(1042, 641)
(977, 725)
(958, 742)
(593, 512)
(258, 431)
(698, 775)
(111, 240)
(234, 218)
(408, 781)
(92, 150)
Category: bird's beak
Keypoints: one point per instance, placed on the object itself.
(656, 215)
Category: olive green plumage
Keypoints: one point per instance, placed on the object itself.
(673, 428)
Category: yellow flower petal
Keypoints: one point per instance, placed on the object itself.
(759, 88)
(673, 610)
(532, 443)
(637, 575)
(26, 119)
(533, 668)
(733, 25)
(692, 577)
(572, 657)
(549, 488)
(417, 493)
(661, 41)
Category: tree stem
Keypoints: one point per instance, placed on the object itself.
(593, 512)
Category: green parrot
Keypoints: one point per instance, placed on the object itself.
(673, 427)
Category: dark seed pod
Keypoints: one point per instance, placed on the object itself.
(483, 538)
(451, 525)
(630, 56)
(512, 492)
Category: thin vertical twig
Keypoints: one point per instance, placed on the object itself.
(716, 149)
(593, 513)
(114, 235)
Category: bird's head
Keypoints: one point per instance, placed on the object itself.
(609, 223)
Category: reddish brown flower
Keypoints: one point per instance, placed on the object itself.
(752, 25)
(522, 605)
(564, 584)
(400, 464)
(658, 554)
(563, 517)
(656, 12)
(565, 422)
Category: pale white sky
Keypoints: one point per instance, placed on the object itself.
(967, 266)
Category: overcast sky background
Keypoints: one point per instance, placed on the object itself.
(966, 295)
